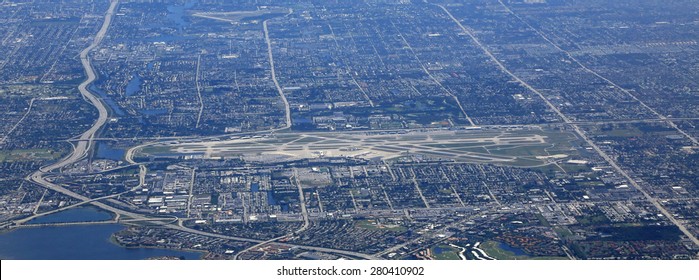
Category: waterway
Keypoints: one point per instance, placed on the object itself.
(176, 13)
(78, 214)
(105, 151)
(84, 242)
(514, 250)
(133, 86)
(107, 99)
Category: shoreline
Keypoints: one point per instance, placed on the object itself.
(112, 240)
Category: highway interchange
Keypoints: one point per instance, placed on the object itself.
(83, 144)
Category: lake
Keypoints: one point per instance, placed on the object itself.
(105, 151)
(133, 86)
(77, 214)
(84, 242)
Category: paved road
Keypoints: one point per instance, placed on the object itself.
(66, 224)
(82, 147)
(431, 234)
(576, 127)
(201, 101)
(31, 104)
(85, 143)
(304, 212)
(302, 201)
(313, 248)
(429, 74)
(610, 82)
(287, 110)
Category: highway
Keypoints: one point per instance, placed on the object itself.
(312, 248)
(38, 204)
(419, 191)
(81, 149)
(31, 103)
(577, 129)
(287, 110)
(83, 202)
(429, 74)
(302, 201)
(572, 58)
(304, 212)
(201, 101)
(433, 234)
(115, 220)
(348, 68)
(66, 224)
(84, 144)
(138, 217)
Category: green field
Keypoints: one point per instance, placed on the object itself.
(371, 224)
(156, 150)
(28, 155)
(445, 253)
(520, 148)
(494, 249)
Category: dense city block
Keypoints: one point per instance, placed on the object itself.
(373, 129)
